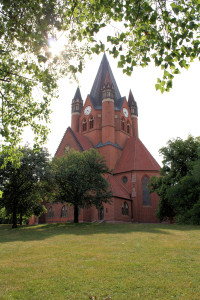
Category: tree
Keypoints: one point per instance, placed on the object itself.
(179, 185)
(166, 32)
(80, 181)
(23, 188)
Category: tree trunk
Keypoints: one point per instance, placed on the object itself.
(14, 214)
(75, 213)
(21, 216)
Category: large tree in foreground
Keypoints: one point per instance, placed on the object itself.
(179, 183)
(23, 188)
(80, 181)
(162, 31)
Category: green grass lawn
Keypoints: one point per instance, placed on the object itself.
(100, 261)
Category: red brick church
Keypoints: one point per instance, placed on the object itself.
(109, 123)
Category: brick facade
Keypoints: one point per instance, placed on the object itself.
(109, 123)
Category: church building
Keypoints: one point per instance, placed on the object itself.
(109, 123)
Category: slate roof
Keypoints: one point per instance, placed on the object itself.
(132, 102)
(95, 94)
(135, 156)
(77, 95)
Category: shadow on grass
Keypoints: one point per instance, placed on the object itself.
(45, 231)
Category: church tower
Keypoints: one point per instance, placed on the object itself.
(134, 113)
(108, 116)
(77, 105)
(108, 123)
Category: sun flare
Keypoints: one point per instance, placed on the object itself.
(55, 46)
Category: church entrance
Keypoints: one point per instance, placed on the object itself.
(101, 213)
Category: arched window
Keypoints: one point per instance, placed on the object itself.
(125, 210)
(51, 212)
(91, 122)
(145, 191)
(125, 179)
(63, 212)
(128, 127)
(84, 125)
(122, 124)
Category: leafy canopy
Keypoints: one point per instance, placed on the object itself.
(166, 32)
(23, 188)
(179, 183)
(80, 180)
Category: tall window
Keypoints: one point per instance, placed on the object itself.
(128, 127)
(122, 124)
(91, 122)
(50, 212)
(145, 191)
(63, 212)
(125, 209)
(84, 124)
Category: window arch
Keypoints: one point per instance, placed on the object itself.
(145, 191)
(63, 212)
(125, 209)
(122, 124)
(91, 122)
(124, 179)
(50, 212)
(84, 125)
(128, 127)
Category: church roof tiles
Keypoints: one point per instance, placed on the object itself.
(135, 156)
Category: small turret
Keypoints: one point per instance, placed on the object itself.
(108, 116)
(77, 105)
(134, 113)
(132, 104)
(108, 88)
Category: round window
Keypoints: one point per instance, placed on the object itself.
(124, 179)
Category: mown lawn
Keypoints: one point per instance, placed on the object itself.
(100, 261)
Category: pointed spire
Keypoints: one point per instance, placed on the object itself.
(77, 96)
(77, 102)
(101, 76)
(132, 104)
(108, 79)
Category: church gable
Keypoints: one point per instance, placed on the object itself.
(73, 140)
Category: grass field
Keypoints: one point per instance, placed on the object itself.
(100, 261)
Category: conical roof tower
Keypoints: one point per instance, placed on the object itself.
(101, 78)
(132, 104)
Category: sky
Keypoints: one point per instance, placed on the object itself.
(161, 117)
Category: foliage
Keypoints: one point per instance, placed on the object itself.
(28, 71)
(4, 217)
(24, 187)
(79, 180)
(179, 183)
(166, 32)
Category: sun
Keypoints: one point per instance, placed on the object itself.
(55, 46)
